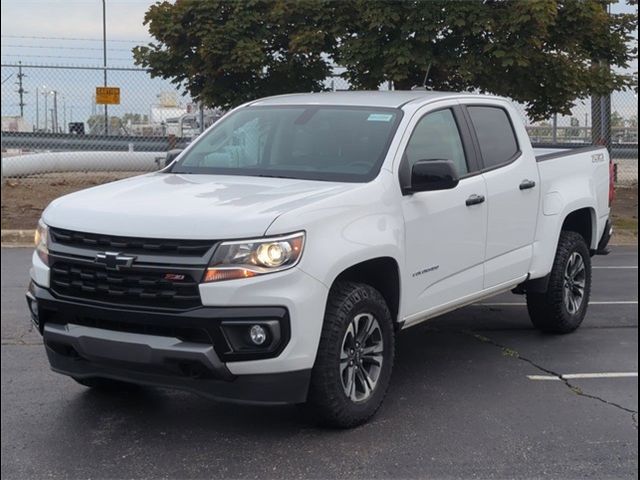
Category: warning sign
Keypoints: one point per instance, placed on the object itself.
(108, 95)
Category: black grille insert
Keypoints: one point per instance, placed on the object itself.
(127, 287)
(152, 246)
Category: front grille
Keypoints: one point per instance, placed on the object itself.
(133, 245)
(126, 287)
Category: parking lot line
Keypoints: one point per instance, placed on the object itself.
(610, 267)
(520, 304)
(571, 376)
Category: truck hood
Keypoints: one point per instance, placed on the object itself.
(166, 205)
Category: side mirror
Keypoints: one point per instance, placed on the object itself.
(430, 175)
(171, 156)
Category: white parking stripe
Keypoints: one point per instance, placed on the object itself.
(605, 267)
(520, 304)
(570, 376)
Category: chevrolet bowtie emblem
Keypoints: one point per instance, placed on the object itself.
(114, 260)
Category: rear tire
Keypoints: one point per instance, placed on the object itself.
(562, 308)
(355, 356)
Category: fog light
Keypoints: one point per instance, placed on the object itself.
(258, 334)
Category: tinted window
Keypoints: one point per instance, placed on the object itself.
(307, 142)
(436, 137)
(495, 134)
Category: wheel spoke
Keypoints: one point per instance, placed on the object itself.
(363, 330)
(574, 302)
(375, 359)
(371, 349)
(364, 383)
(577, 267)
(348, 384)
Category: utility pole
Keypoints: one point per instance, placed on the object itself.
(55, 112)
(104, 60)
(21, 90)
(64, 114)
(37, 109)
(601, 109)
(46, 109)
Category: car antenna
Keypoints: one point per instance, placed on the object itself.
(424, 82)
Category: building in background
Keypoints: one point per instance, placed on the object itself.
(15, 123)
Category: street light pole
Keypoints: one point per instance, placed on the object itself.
(37, 109)
(46, 109)
(104, 62)
(64, 114)
(54, 120)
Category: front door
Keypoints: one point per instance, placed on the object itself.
(445, 231)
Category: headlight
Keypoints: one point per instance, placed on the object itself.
(41, 240)
(248, 258)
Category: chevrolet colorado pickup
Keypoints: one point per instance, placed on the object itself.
(276, 258)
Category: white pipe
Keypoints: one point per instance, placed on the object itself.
(63, 162)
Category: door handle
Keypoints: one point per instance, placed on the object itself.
(527, 184)
(474, 200)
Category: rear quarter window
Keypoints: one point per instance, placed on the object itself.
(498, 143)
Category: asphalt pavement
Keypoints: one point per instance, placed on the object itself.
(474, 394)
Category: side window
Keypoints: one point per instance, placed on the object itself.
(435, 137)
(496, 137)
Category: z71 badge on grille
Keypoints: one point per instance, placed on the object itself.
(114, 260)
(173, 276)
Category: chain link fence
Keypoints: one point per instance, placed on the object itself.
(57, 138)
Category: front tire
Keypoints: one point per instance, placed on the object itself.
(562, 308)
(355, 356)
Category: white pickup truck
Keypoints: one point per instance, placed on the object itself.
(276, 259)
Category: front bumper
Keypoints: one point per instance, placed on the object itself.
(183, 349)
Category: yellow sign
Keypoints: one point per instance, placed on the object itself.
(108, 95)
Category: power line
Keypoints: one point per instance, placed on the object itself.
(67, 57)
(31, 37)
(58, 47)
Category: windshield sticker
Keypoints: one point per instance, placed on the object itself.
(380, 117)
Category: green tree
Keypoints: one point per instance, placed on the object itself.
(228, 52)
(617, 120)
(575, 130)
(539, 52)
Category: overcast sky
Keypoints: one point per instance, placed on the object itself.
(51, 21)
(48, 23)
(69, 32)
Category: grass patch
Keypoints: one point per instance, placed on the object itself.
(626, 223)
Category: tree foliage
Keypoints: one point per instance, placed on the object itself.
(229, 52)
(544, 53)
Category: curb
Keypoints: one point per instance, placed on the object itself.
(24, 238)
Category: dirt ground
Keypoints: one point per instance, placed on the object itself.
(625, 215)
(24, 199)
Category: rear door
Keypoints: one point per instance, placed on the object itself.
(513, 188)
(444, 237)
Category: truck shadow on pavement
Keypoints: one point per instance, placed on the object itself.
(433, 362)
(459, 401)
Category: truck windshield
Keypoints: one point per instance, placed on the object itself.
(329, 143)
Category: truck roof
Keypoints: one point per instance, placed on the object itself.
(389, 99)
